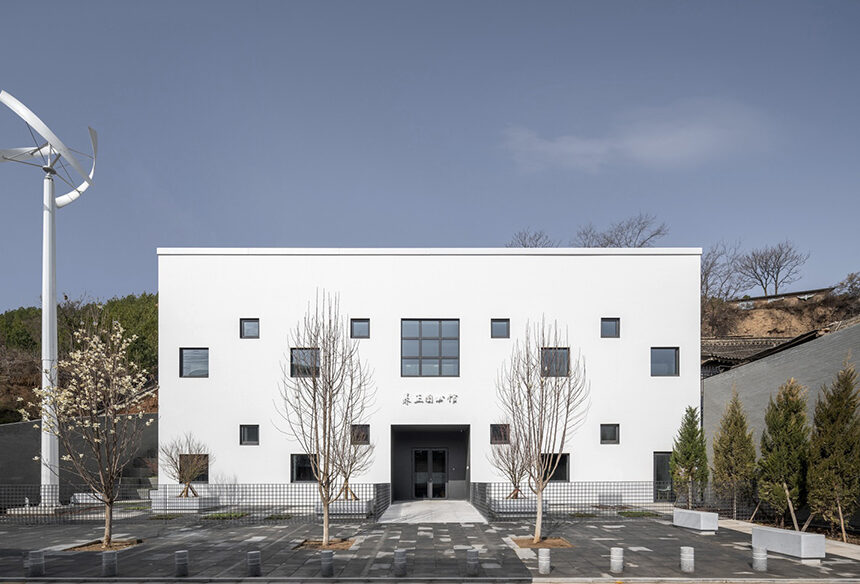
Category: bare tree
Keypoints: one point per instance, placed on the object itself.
(510, 460)
(720, 282)
(94, 411)
(640, 230)
(355, 453)
(528, 238)
(771, 267)
(545, 396)
(184, 459)
(324, 392)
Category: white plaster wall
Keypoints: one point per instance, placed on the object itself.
(204, 292)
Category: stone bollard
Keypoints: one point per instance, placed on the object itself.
(181, 560)
(759, 563)
(687, 559)
(543, 561)
(255, 564)
(36, 565)
(472, 562)
(399, 563)
(616, 560)
(108, 564)
(327, 563)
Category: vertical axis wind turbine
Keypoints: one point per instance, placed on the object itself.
(52, 154)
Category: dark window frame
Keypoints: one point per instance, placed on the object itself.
(359, 434)
(242, 322)
(439, 359)
(545, 369)
(677, 372)
(352, 323)
(617, 321)
(617, 433)
(203, 477)
(500, 433)
(506, 322)
(182, 362)
(294, 459)
(243, 441)
(303, 369)
(563, 468)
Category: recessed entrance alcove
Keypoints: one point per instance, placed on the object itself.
(429, 462)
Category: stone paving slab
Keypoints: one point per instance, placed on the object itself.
(434, 552)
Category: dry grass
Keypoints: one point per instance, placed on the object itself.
(334, 543)
(545, 542)
(96, 546)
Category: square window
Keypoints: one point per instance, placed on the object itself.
(500, 434)
(194, 362)
(562, 471)
(359, 328)
(301, 470)
(609, 434)
(249, 434)
(500, 328)
(304, 362)
(664, 362)
(429, 348)
(249, 328)
(360, 434)
(555, 362)
(197, 463)
(610, 328)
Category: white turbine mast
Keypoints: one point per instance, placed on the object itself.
(52, 154)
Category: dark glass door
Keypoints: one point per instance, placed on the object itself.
(662, 477)
(430, 473)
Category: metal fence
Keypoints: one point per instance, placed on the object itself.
(576, 500)
(250, 503)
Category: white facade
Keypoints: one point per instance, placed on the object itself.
(203, 293)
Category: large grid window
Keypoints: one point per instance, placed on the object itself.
(664, 362)
(555, 362)
(194, 362)
(304, 362)
(300, 469)
(429, 348)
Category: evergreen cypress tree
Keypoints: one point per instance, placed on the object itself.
(734, 453)
(689, 460)
(834, 450)
(784, 450)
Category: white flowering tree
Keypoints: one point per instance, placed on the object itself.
(97, 418)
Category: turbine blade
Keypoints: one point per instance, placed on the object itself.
(73, 195)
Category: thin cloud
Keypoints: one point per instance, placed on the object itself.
(685, 134)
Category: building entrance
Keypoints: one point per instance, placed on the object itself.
(430, 473)
(429, 462)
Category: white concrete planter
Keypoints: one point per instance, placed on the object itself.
(164, 502)
(347, 508)
(84, 499)
(521, 506)
(697, 520)
(806, 546)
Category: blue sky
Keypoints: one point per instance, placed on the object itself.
(429, 124)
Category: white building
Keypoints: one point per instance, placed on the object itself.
(225, 316)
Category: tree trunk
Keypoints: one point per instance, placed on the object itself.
(106, 541)
(325, 523)
(734, 503)
(757, 505)
(807, 522)
(515, 494)
(790, 506)
(841, 519)
(539, 519)
(689, 494)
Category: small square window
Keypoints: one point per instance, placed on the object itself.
(610, 328)
(359, 328)
(249, 328)
(194, 362)
(360, 434)
(301, 470)
(199, 462)
(304, 362)
(562, 471)
(664, 362)
(609, 434)
(249, 434)
(500, 328)
(555, 362)
(500, 434)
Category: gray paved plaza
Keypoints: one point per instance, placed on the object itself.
(435, 551)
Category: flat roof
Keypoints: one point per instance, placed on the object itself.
(429, 251)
